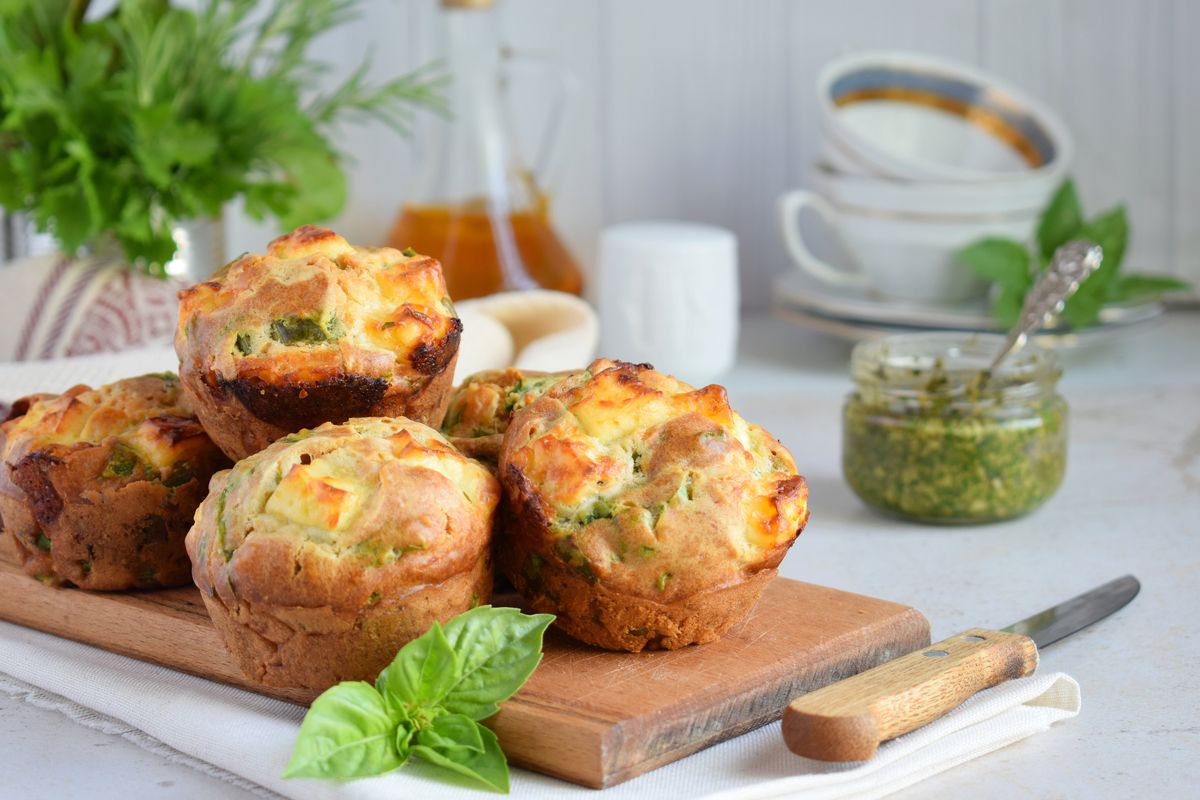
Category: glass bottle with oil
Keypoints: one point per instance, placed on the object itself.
(483, 213)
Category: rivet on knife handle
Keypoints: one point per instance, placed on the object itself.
(848, 720)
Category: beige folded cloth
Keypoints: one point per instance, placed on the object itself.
(535, 330)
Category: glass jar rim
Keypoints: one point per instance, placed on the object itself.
(953, 364)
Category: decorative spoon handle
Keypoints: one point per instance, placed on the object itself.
(1072, 263)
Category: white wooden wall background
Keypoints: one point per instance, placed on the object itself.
(704, 109)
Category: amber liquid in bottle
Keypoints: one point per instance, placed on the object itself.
(465, 240)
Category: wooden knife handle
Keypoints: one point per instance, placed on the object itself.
(848, 720)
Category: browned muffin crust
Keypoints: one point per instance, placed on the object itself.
(642, 512)
(319, 557)
(316, 331)
(481, 407)
(98, 487)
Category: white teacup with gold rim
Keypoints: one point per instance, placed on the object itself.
(917, 117)
(909, 255)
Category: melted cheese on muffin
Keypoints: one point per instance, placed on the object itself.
(147, 417)
(341, 488)
(651, 484)
(315, 307)
(483, 403)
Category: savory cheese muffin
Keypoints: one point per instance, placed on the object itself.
(316, 331)
(642, 512)
(482, 405)
(98, 486)
(319, 557)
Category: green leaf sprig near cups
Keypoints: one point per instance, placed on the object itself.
(426, 703)
(1014, 268)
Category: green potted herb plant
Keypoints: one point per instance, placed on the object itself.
(121, 133)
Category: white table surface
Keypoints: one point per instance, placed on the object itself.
(1130, 503)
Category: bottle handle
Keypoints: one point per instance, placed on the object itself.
(547, 163)
(790, 206)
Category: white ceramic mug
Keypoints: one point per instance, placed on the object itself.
(911, 256)
(668, 295)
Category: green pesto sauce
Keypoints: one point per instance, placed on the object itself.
(965, 461)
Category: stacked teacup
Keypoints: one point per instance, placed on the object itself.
(920, 157)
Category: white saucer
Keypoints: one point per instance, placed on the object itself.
(857, 314)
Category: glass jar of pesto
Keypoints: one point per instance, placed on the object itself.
(928, 434)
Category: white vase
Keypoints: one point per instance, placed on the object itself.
(58, 306)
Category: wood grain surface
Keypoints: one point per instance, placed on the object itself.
(848, 720)
(588, 716)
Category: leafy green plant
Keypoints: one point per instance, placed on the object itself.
(426, 703)
(1014, 268)
(122, 126)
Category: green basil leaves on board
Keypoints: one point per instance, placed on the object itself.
(1013, 268)
(426, 703)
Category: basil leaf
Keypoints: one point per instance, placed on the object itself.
(1136, 287)
(498, 649)
(488, 766)
(1000, 260)
(347, 733)
(1083, 308)
(453, 735)
(1061, 220)
(420, 674)
(1111, 231)
(404, 737)
(1006, 308)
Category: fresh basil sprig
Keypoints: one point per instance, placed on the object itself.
(426, 703)
(1014, 268)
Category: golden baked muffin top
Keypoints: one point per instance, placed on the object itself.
(655, 487)
(313, 512)
(484, 402)
(314, 308)
(147, 419)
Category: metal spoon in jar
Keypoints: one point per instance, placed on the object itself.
(1071, 265)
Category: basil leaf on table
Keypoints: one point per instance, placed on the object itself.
(498, 649)
(489, 766)
(426, 703)
(347, 733)
(422, 672)
(452, 734)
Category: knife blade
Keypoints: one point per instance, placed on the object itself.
(848, 720)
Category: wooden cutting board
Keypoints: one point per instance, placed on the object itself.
(589, 716)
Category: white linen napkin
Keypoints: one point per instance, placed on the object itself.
(247, 739)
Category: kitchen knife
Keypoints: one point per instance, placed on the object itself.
(848, 720)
